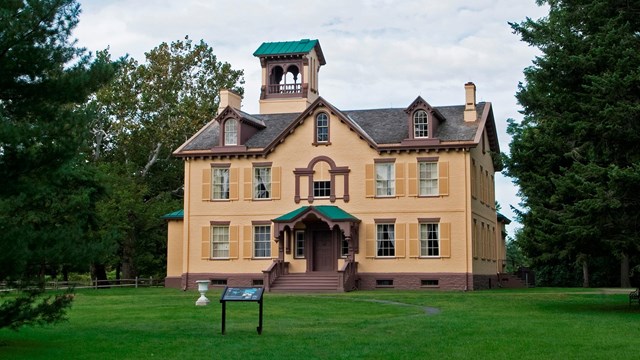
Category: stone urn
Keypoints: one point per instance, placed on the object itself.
(203, 286)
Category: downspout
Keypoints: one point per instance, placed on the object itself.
(467, 214)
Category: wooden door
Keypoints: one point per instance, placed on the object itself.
(323, 254)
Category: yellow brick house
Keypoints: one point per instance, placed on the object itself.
(305, 196)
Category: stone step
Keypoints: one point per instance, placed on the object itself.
(306, 282)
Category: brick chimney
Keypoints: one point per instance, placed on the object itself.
(470, 102)
(229, 98)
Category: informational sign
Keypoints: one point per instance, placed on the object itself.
(241, 294)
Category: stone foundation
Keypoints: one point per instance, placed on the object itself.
(485, 282)
(413, 281)
(217, 280)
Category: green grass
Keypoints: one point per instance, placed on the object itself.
(498, 324)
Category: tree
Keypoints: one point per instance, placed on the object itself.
(575, 153)
(47, 192)
(142, 116)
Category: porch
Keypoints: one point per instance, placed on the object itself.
(324, 239)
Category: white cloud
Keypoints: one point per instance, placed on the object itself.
(380, 53)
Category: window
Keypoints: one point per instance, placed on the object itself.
(429, 283)
(219, 282)
(385, 240)
(321, 188)
(219, 242)
(262, 241)
(262, 183)
(299, 244)
(420, 124)
(428, 174)
(385, 179)
(231, 132)
(344, 248)
(429, 240)
(322, 128)
(220, 183)
(384, 283)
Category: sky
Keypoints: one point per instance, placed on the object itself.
(379, 53)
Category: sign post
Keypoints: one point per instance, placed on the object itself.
(241, 294)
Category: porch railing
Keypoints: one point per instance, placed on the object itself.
(275, 270)
(285, 89)
(347, 276)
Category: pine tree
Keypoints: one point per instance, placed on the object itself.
(47, 191)
(575, 155)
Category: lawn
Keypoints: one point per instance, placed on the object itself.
(499, 324)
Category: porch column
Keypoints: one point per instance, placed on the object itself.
(351, 251)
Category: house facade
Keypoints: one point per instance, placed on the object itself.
(307, 196)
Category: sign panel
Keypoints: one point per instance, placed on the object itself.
(242, 294)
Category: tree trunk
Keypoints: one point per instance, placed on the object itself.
(585, 273)
(99, 271)
(625, 280)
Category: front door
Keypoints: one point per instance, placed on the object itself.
(323, 255)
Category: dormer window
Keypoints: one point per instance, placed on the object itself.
(420, 124)
(231, 132)
(322, 128)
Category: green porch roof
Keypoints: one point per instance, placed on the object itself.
(330, 212)
(303, 46)
(176, 215)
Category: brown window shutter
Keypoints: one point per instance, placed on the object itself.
(414, 241)
(370, 239)
(370, 188)
(233, 241)
(247, 243)
(206, 184)
(445, 240)
(400, 176)
(443, 180)
(233, 184)
(276, 176)
(206, 243)
(401, 240)
(248, 181)
(413, 179)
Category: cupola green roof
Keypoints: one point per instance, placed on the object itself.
(299, 47)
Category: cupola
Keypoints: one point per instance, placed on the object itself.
(289, 75)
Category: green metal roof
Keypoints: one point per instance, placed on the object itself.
(176, 215)
(303, 46)
(330, 212)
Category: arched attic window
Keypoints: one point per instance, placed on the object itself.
(231, 132)
(420, 124)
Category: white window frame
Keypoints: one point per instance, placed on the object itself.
(385, 179)
(420, 124)
(220, 242)
(326, 189)
(220, 183)
(262, 182)
(322, 123)
(430, 240)
(428, 178)
(262, 241)
(385, 240)
(231, 132)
